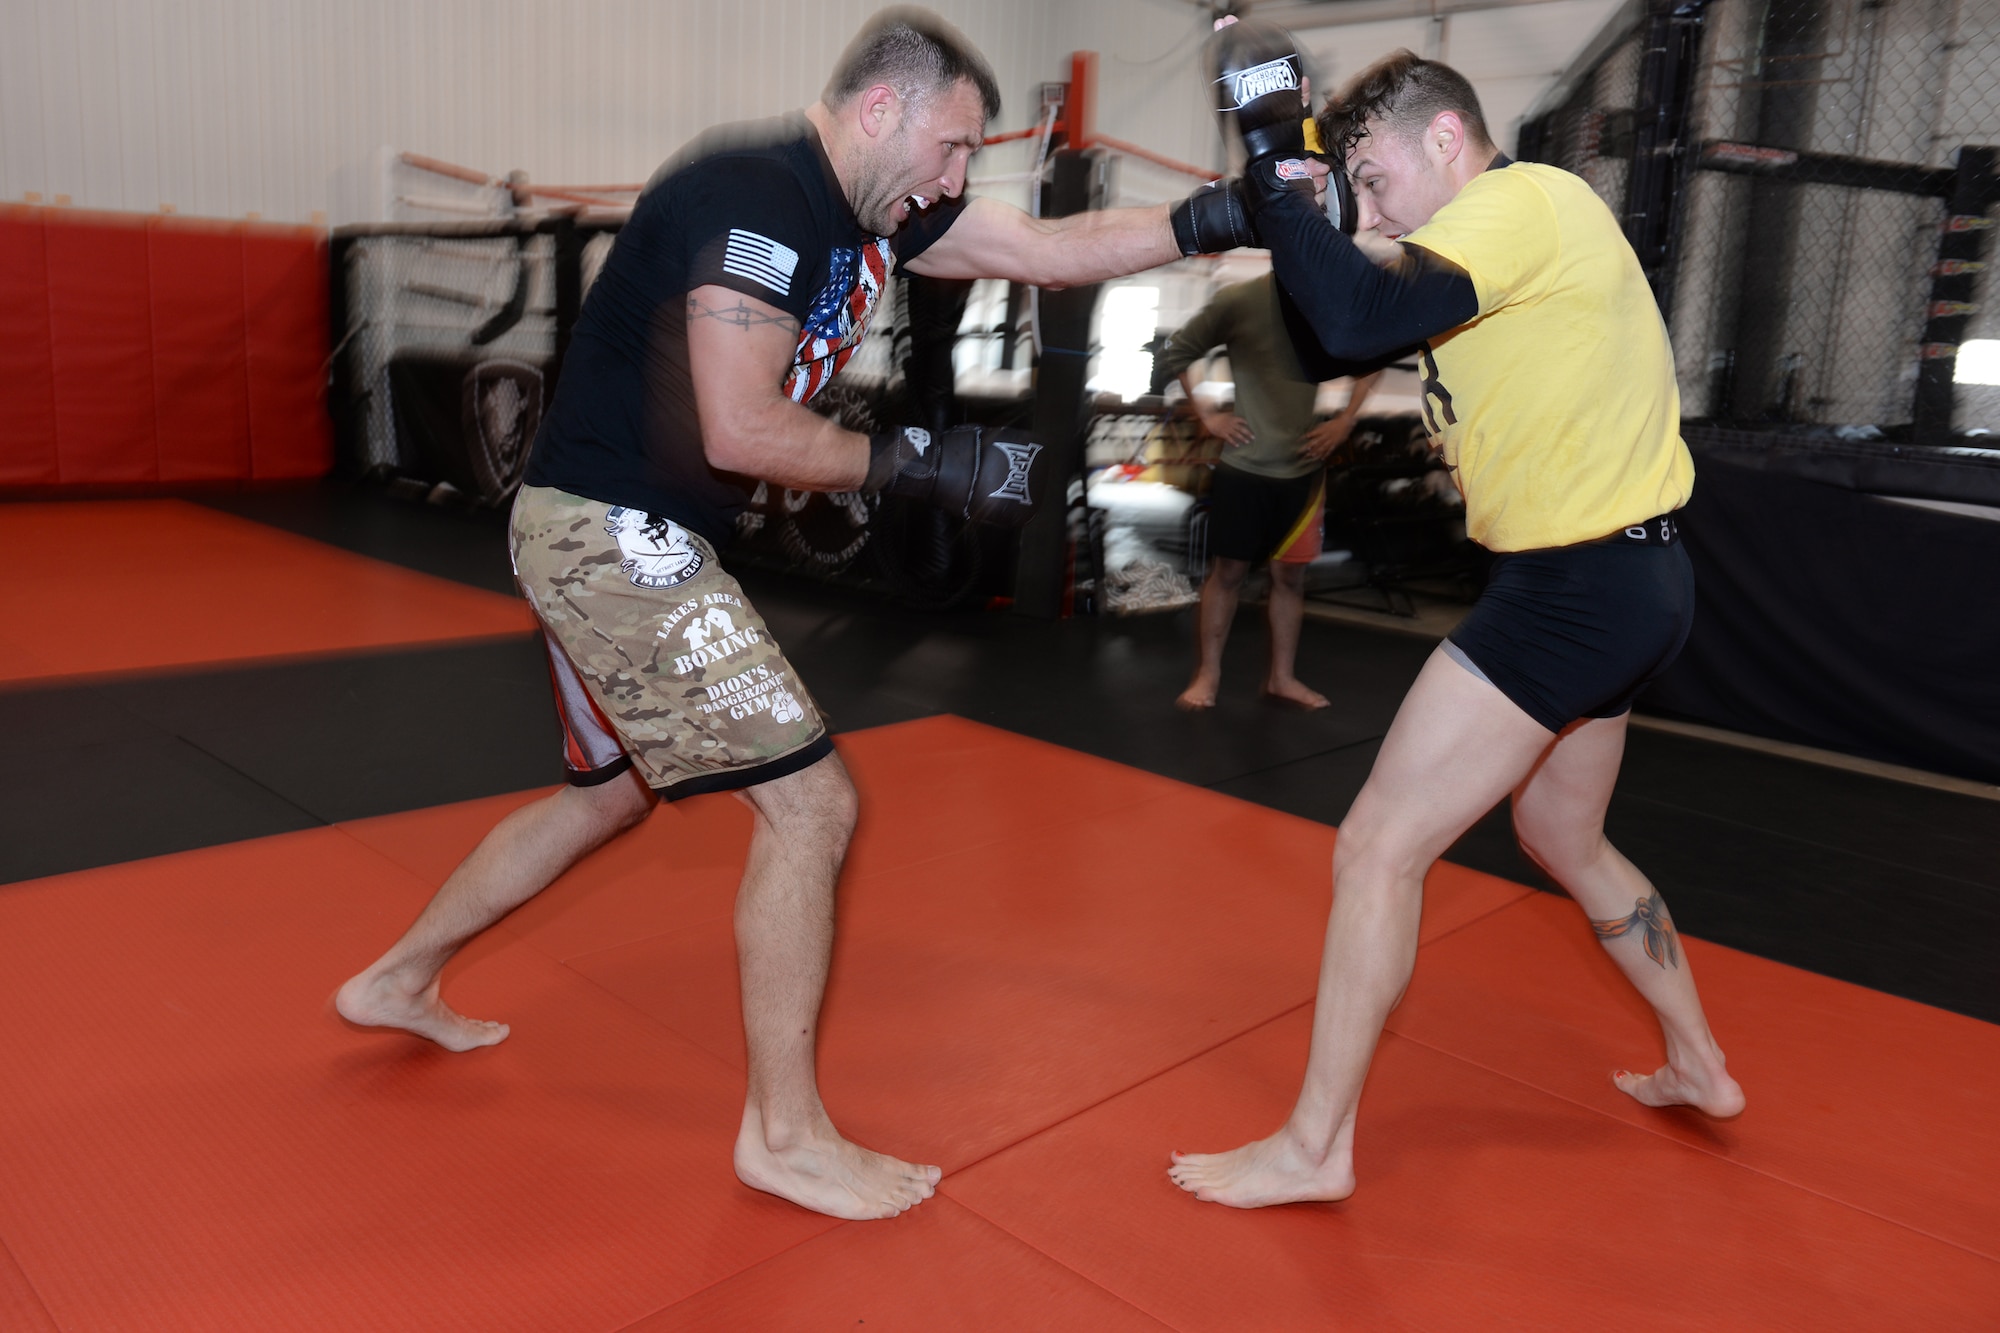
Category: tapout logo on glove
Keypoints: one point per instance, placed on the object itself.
(1020, 457)
(1273, 76)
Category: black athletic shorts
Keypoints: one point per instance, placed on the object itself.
(1258, 518)
(1578, 631)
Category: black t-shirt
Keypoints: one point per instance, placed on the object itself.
(755, 208)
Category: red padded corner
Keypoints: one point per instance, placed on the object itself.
(100, 323)
(28, 425)
(285, 316)
(200, 379)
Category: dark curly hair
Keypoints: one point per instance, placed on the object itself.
(1404, 92)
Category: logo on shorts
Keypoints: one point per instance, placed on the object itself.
(757, 690)
(714, 623)
(657, 551)
(711, 633)
(1020, 457)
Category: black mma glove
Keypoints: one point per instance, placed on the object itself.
(1341, 209)
(1257, 78)
(976, 472)
(1212, 219)
(1256, 71)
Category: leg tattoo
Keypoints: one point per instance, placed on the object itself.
(1649, 916)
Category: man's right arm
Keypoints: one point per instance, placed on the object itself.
(739, 350)
(1359, 310)
(1191, 342)
(1231, 429)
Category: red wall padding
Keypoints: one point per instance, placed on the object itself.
(27, 380)
(137, 349)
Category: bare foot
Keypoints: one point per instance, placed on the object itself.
(1710, 1091)
(379, 999)
(827, 1174)
(1273, 1170)
(1295, 693)
(1199, 694)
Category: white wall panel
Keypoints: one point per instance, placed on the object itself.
(228, 107)
(1150, 91)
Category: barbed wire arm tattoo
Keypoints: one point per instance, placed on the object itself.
(1649, 917)
(742, 315)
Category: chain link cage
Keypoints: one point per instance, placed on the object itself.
(1810, 185)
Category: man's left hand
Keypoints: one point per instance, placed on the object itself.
(1320, 442)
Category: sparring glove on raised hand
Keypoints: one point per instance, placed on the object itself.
(979, 473)
(1258, 85)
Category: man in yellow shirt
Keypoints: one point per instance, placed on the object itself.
(1549, 390)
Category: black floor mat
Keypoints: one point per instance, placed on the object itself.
(1882, 883)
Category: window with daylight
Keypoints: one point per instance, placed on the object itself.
(1126, 322)
(1978, 361)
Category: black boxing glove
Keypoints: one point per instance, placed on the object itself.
(981, 474)
(1341, 209)
(1212, 219)
(1268, 178)
(1257, 72)
(1258, 82)
(1339, 204)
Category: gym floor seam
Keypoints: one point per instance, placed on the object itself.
(1070, 1115)
(34, 1289)
(273, 792)
(1803, 841)
(1710, 1152)
(1214, 784)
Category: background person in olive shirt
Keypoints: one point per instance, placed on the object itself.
(1268, 501)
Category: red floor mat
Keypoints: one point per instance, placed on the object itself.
(1051, 971)
(936, 1267)
(1877, 1101)
(21, 1310)
(680, 867)
(1086, 954)
(191, 1141)
(232, 591)
(1484, 1204)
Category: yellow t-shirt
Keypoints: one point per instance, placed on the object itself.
(1556, 408)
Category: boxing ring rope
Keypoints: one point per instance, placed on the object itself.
(584, 196)
(1075, 124)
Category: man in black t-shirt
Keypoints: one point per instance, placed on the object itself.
(743, 282)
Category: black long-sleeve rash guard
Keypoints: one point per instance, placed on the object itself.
(1357, 311)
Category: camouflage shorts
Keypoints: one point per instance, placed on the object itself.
(657, 657)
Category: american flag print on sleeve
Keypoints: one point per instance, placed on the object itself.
(856, 277)
(761, 260)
